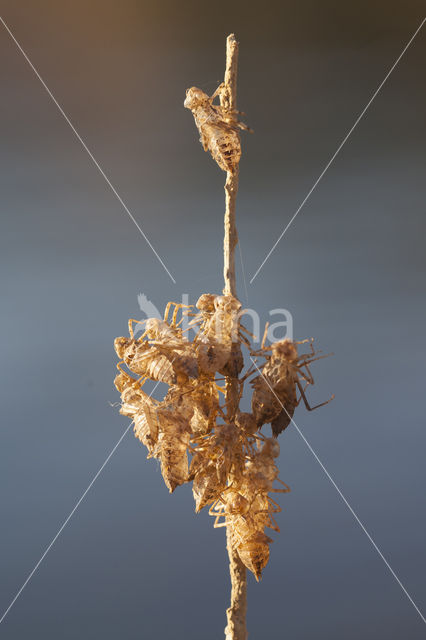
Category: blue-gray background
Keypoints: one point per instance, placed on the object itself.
(135, 562)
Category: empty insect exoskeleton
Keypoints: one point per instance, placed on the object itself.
(247, 508)
(218, 127)
(136, 404)
(162, 352)
(197, 402)
(215, 457)
(167, 337)
(171, 448)
(274, 396)
(220, 335)
(145, 360)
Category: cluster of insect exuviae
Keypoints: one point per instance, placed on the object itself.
(194, 434)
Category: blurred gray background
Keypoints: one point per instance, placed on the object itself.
(135, 562)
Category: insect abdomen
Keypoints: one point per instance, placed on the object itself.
(156, 366)
(254, 553)
(264, 403)
(225, 148)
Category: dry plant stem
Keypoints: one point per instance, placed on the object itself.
(228, 100)
(236, 613)
(231, 237)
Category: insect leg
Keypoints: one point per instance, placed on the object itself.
(285, 490)
(259, 436)
(265, 335)
(305, 400)
(127, 374)
(141, 381)
(204, 141)
(243, 328)
(272, 522)
(306, 376)
(250, 449)
(198, 319)
(243, 338)
(261, 353)
(178, 306)
(218, 91)
(247, 374)
(244, 127)
(131, 321)
(309, 359)
(167, 311)
(275, 507)
(218, 512)
(221, 412)
(310, 340)
(217, 524)
(175, 312)
(218, 506)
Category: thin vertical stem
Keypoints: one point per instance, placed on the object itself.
(236, 613)
(228, 100)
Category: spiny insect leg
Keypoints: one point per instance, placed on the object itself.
(218, 512)
(247, 374)
(310, 340)
(285, 490)
(198, 318)
(140, 381)
(145, 333)
(177, 309)
(119, 367)
(167, 310)
(250, 448)
(261, 352)
(226, 406)
(131, 321)
(218, 91)
(242, 338)
(217, 524)
(177, 306)
(273, 524)
(244, 329)
(126, 373)
(244, 127)
(221, 412)
(265, 335)
(259, 436)
(204, 140)
(269, 512)
(275, 507)
(305, 400)
(309, 360)
(218, 507)
(308, 377)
